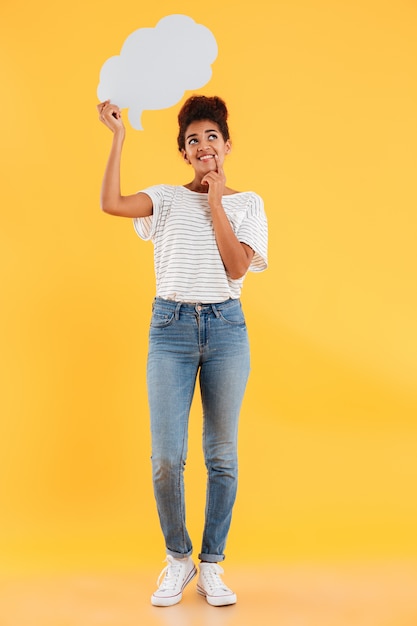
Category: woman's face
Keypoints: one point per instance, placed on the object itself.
(203, 140)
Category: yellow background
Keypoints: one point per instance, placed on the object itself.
(322, 97)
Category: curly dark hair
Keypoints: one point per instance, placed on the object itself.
(199, 108)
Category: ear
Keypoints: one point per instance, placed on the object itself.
(228, 146)
(184, 156)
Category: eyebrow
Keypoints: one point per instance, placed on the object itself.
(212, 130)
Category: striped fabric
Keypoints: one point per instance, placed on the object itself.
(188, 265)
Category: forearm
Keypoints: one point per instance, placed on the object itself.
(236, 256)
(111, 189)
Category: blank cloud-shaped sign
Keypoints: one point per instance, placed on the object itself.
(157, 65)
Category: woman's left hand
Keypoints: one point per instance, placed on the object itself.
(216, 181)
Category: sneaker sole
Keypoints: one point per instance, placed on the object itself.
(217, 600)
(171, 600)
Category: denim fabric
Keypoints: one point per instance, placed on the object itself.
(185, 340)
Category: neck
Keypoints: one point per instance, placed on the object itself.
(196, 185)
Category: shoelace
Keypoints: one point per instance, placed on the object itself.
(212, 577)
(172, 571)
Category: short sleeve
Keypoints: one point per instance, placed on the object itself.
(145, 227)
(253, 231)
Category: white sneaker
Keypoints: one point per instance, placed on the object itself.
(178, 573)
(212, 587)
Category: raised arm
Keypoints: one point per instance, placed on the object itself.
(112, 201)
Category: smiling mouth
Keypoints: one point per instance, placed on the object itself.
(206, 157)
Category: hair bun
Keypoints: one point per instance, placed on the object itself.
(198, 108)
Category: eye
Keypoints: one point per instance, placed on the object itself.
(212, 136)
(192, 141)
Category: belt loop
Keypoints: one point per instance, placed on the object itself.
(177, 311)
(215, 311)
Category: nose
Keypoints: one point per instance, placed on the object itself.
(203, 145)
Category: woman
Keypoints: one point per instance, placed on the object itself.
(206, 237)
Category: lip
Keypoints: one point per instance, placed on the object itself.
(206, 157)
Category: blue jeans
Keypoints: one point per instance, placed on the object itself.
(184, 340)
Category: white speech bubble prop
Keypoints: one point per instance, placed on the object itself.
(157, 65)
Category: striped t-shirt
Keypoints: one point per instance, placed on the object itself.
(188, 265)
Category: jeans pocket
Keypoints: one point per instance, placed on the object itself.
(233, 316)
(161, 320)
